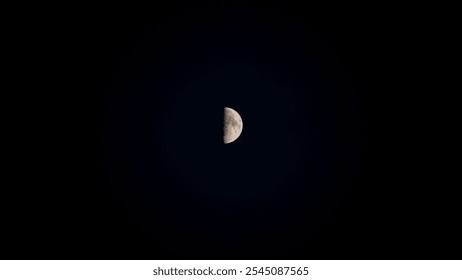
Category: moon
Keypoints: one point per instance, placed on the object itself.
(232, 125)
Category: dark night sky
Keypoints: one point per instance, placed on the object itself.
(127, 162)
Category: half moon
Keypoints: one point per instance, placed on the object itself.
(232, 125)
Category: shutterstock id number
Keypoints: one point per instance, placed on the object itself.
(285, 270)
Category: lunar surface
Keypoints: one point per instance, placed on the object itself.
(232, 127)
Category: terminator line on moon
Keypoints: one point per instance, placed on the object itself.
(232, 125)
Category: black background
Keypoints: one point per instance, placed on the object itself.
(71, 202)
